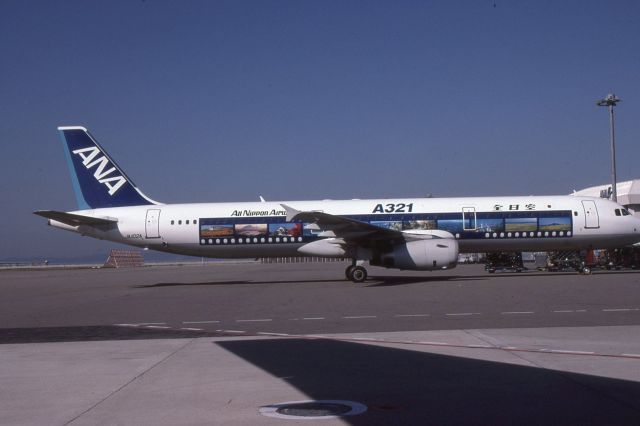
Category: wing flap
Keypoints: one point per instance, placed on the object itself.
(73, 219)
(355, 230)
(342, 227)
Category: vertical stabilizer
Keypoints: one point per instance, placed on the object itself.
(97, 180)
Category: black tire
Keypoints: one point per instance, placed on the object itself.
(358, 274)
(349, 272)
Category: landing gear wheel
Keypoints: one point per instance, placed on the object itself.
(349, 272)
(358, 274)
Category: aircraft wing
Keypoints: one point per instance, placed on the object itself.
(355, 230)
(72, 219)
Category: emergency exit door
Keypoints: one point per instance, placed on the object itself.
(152, 224)
(591, 219)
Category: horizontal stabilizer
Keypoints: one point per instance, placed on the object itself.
(72, 219)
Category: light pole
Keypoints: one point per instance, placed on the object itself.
(610, 101)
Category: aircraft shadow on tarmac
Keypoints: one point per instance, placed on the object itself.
(384, 281)
(409, 387)
(231, 282)
(371, 282)
(400, 280)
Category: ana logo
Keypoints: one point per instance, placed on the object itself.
(90, 158)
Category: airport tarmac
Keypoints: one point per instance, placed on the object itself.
(213, 344)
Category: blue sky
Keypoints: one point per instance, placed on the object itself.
(229, 100)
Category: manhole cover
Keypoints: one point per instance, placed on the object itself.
(322, 409)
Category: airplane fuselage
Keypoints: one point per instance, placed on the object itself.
(479, 224)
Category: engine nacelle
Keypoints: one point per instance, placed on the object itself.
(328, 247)
(422, 255)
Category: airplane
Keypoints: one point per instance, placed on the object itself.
(406, 233)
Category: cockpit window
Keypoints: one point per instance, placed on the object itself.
(618, 212)
(625, 212)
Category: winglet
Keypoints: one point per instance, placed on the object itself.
(291, 212)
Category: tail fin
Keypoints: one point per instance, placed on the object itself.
(97, 180)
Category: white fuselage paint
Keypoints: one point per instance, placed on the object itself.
(594, 223)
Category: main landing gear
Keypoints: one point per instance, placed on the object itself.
(356, 273)
(584, 269)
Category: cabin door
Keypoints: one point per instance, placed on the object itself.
(591, 219)
(152, 224)
(469, 218)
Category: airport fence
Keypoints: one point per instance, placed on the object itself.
(302, 259)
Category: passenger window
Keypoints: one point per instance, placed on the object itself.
(173, 222)
(179, 222)
(618, 212)
(187, 222)
(195, 222)
(575, 213)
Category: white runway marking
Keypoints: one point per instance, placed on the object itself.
(564, 351)
(361, 317)
(272, 334)
(162, 325)
(462, 314)
(231, 331)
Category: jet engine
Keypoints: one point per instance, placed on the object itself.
(421, 255)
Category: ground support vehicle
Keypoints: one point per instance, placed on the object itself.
(504, 261)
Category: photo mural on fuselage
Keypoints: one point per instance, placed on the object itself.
(471, 225)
